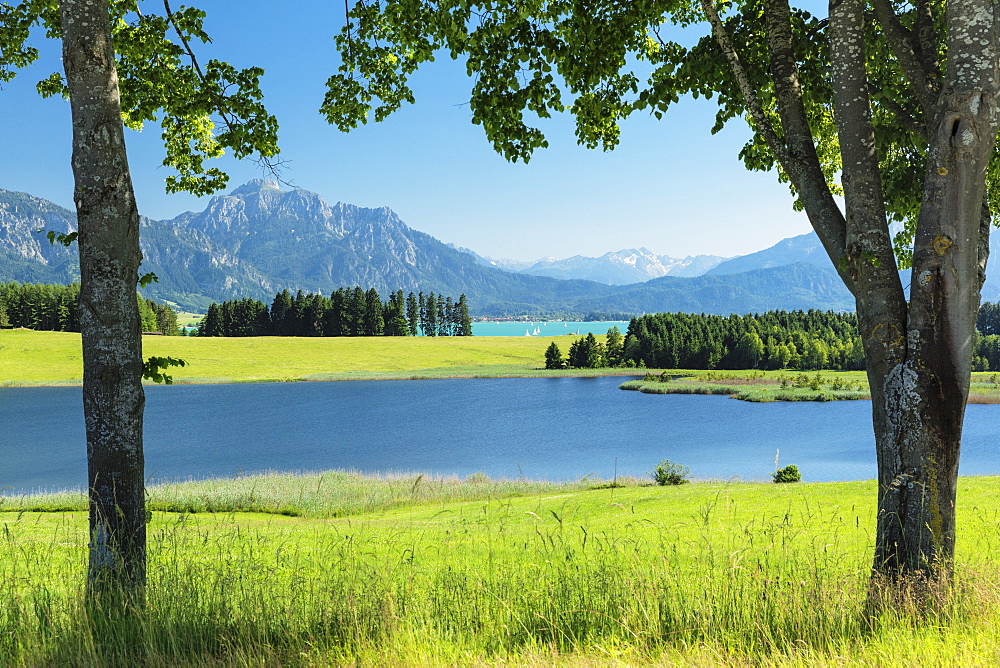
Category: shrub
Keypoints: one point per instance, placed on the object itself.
(670, 473)
(788, 474)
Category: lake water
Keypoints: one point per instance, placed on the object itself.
(558, 428)
(538, 328)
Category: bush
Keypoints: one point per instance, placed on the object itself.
(670, 473)
(788, 474)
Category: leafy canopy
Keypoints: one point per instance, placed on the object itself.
(603, 60)
(202, 110)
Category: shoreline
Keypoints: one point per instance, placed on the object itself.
(346, 376)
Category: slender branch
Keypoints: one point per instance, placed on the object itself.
(268, 163)
(897, 109)
(926, 43)
(804, 167)
(869, 246)
(761, 122)
(909, 56)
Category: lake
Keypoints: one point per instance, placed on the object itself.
(539, 328)
(554, 428)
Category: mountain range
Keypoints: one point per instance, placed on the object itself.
(622, 267)
(259, 239)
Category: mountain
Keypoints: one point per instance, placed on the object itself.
(260, 239)
(623, 267)
(795, 286)
(632, 265)
(807, 248)
(804, 248)
(25, 254)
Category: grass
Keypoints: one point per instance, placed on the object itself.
(787, 385)
(53, 358)
(482, 572)
(49, 358)
(759, 386)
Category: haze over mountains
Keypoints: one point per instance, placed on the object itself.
(259, 239)
(629, 265)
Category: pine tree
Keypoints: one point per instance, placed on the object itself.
(211, 324)
(614, 346)
(374, 320)
(464, 321)
(281, 310)
(429, 316)
(553, 357)
(412, 314)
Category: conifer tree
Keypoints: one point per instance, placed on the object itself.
(412, 314)
(553, 357)
(464, 321)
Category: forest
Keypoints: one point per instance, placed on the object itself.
(346, 312)
(55, 308)
(815, 340)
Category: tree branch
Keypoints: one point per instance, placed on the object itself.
(803, 165)
(269, 164)
(908, 54)
(760, 120)
(881, 302)
(901, 114)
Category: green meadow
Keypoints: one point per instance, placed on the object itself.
(336, 568)
(29, 358)
(53, 358)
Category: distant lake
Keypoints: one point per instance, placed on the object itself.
(554, 428)
(539, 328)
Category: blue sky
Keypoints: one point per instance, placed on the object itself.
(670, 185)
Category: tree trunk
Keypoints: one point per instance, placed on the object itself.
(924, 396)
(113, 398)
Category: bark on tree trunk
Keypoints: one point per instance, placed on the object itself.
(925, 395)
(113, 397)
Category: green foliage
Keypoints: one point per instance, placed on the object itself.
(772, 340)
(62, 238)
(153, 369)
(346, 312)
(553, 357)
(755, 386)
(788, 474)
(204, 108)
(670, 473)
(41, 307)
(148, 278)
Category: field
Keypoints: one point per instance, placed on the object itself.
(337, 568)
(53, 358)
(28, 357)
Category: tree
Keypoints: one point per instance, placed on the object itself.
(125, 67)
(412, 314)
(913, 88)
(429, 316)
(553, 357)
(464, 321)
(395, 315)
(373, 321)
(614, 346)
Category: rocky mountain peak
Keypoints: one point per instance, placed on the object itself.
(257, 186)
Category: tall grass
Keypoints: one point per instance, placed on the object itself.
(703, 574)
(319, 494)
